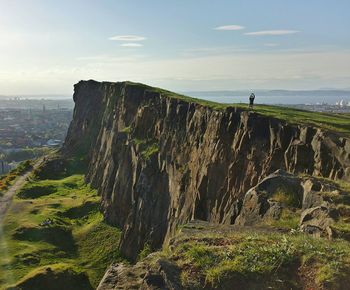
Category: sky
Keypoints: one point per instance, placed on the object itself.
(185, 45)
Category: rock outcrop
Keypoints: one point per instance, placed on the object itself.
(281, 190)
(260, 202)
(317, 221)
(151, 273)
(160, 160)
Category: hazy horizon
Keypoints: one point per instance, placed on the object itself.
(231, 92)
(282, 97)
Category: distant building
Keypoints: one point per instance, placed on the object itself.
(4, 167)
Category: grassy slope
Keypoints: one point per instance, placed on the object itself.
(78, 237)
(226, 257)
(329, 121)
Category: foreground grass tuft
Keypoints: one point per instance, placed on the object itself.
(258, 259)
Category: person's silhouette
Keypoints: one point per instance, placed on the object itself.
(251, 100)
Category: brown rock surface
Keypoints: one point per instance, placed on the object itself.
(151, 273)
(258, 202)
(317, 221)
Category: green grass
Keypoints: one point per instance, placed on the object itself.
(144, 252)
(77, 235)
(147, 147)
(329, 121)
(55, 277)
(289, 219)
(127, 130)
(261, 258)
(149, 151)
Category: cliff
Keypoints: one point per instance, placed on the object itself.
(160, 160)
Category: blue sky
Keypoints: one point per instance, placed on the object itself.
(47, 46)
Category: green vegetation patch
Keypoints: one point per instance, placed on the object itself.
(81, 211)
(249, 259)
(35, 191)
(56, 276)
(144, 252)
(289, 219)
(147, 147)
(56, 168)
(150, 150)
(328, 121)
(61, 228)
(127, 130)
(59, 236)
(286, 196)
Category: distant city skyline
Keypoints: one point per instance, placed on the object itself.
(192, 45)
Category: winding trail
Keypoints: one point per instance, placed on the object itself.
(7, 197)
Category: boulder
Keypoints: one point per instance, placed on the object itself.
(312, 191)
(149, 274)
(317, 221)
(266, 200)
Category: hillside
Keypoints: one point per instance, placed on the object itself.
(155, 162)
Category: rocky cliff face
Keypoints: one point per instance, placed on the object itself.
(159, 161)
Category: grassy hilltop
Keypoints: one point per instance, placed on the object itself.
(329, 121)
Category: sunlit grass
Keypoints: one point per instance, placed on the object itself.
(259, 258)
(77, 236)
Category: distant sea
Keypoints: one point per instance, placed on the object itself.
(36, 104)
(283, 97)
(273, 97)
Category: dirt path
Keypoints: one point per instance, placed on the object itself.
(6, 198)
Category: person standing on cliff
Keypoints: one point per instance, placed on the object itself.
(251, 100)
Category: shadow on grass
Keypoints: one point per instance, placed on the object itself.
(59, 236)
(82, 210)
(54, 277)
(57, 168)
(36, 191)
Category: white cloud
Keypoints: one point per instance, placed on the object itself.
(271, 32)
(127, 38)
(271, 44)
(131, 44)
(110, 58)
(230, 27)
